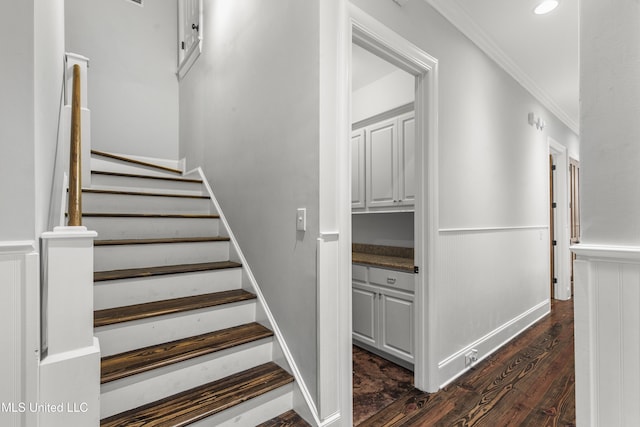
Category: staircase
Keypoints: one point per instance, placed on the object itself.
(184, 339)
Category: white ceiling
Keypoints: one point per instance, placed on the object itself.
(541, 52)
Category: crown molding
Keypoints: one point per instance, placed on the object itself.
(463, 22)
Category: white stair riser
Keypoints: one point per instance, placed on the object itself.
(150, 189)
(131, 392)
(117, 293)
(140, 184)
(254, 411)
(113, 165)
(127, 336)
(124, 203)
(116, 257)
(140, 228)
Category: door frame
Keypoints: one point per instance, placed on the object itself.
(340, 21)
(562, 263)
(383, 42)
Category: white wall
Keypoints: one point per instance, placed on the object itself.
(607, 271)
(492, 269)
(249, 111)
(387, 229)
(391, 91)
(17, 176)
(133, 89)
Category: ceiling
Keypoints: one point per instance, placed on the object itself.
(539, 51)
(367, 67)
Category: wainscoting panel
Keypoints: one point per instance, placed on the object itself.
(17, 362)
(494, 283)
(607, 331)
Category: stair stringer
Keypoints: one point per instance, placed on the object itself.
(281, 350)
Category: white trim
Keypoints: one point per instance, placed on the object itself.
(467, 26)
(17, 247)
(562, 289)
(613, 253)
(185, 64)
(254, 284)
(454, 366)
(482, 229)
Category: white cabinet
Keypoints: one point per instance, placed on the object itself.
(383, 311)
(357, 169)
(384, 166)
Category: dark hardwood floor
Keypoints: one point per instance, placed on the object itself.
(528, 382)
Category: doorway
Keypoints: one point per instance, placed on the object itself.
(369, 34)
(560, 258)
(383, 236)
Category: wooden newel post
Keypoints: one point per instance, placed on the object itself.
(75, 169)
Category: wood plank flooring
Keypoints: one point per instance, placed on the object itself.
(528, 382)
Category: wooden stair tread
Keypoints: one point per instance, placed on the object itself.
(130, 273)
(143, 193)
(145, 359)
(134, 161)
(147, 215)
(121, 242)
(192, 405)
(110, 316)
(135, 175)
(288, 419)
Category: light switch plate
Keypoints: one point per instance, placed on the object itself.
(301, 219)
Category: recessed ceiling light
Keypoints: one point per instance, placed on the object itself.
(545, 7)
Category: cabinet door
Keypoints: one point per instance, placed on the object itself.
(381, 140)
(364, 313)
(396, 324)
(406, 159)
(357, 169)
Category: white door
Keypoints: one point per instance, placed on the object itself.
(365, 316)
(189, 26)
(381, 140)
(406, 156)
(396, 324)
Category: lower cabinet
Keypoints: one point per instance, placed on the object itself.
(383, 317)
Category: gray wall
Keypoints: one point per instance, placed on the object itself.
(610, 102)
(249, 115)
(492, 177)
(29, 107)
(133, 89)
(388, 229)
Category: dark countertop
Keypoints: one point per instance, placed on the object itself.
(393, 257)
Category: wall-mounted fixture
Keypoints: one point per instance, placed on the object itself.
(536, 121)
(545, 6)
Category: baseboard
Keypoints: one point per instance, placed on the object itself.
(453, 366)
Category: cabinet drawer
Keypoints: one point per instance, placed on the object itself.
(392, 279)
(359, 272)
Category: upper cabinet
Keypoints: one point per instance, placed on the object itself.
(389, 171)
(357, 169)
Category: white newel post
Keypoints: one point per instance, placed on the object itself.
(71, 60)
(70, 367)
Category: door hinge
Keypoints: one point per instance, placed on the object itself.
(416, 269)
(553, 167)
(555, 280)
(182, 45)
(554, 205)
(554, 243)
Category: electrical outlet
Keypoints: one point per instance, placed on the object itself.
(471, 357)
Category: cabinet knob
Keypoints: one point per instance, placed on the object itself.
(391, 280)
